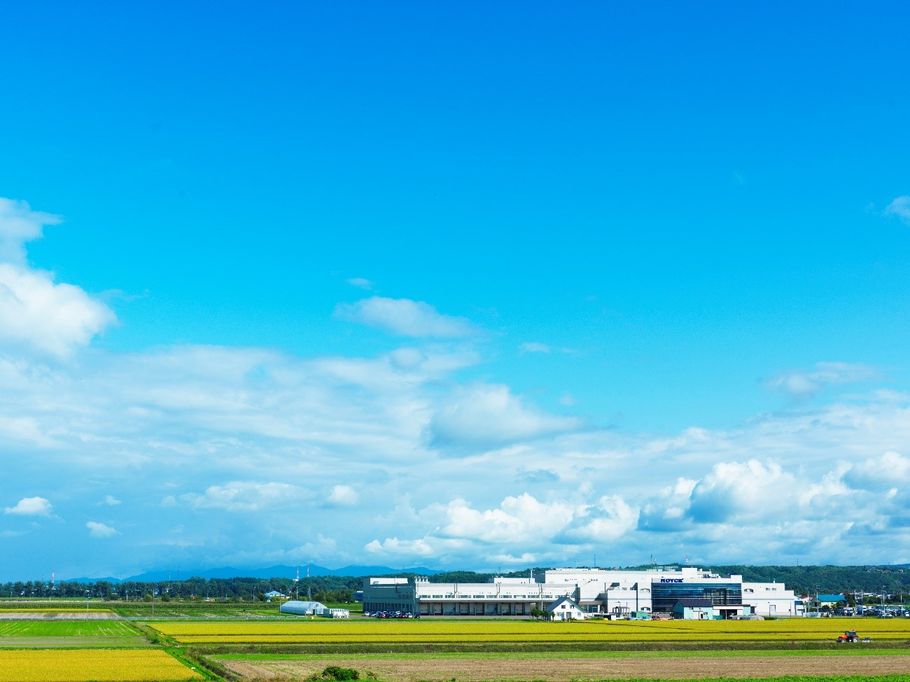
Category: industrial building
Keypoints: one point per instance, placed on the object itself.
(595, 591)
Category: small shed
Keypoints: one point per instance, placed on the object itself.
(274, 594)
(694, 609)
(303, 608)
(565, 608)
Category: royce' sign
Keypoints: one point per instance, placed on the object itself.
(671, 580)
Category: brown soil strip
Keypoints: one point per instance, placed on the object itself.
(559, 669)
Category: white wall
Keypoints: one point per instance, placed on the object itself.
(770, 599)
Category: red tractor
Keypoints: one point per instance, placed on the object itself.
(851, 637)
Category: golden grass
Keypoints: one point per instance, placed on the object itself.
(316, 632)
(101, 665)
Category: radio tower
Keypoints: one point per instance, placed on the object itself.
(309, 589)
(296, 580)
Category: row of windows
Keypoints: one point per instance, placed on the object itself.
(720, 594)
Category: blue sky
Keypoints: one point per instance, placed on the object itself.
(452, 284)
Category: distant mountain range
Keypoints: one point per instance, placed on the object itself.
(268, 572)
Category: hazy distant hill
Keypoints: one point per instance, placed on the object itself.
(262, 573)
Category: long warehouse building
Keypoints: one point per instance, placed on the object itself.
(596, 591)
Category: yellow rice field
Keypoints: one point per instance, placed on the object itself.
(101, 665)
(318, 632)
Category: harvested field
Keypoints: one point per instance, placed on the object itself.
(559, 668)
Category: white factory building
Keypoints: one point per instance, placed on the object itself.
(596, 591)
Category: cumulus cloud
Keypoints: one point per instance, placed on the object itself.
(807, 383)
(283, 430)
(900, 208)
(100, 530)
(35, 312)
(31, 506)
(518, 519)
(20, 224)
(395, 547)
(111, 501)
(734, 489)
(245, 496)
(879, 473)
(53, 318)
(488, 414)
(667, 511)
(405, 317)
(608, 519)
(343, 495)
(518, 528)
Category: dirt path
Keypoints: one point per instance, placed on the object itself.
(467, 669)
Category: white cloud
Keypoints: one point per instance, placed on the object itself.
(734, 490)
(20, 224)
(395, 547)
(111, 501)
(36, 314)
(879, 473)
(360, 283)
(25, 429)
(486, 414)
(405, 317)
(518, 520)
(53, 318)
(246, 496)
(534, 347)
(343, 495)
(100, 530)
(667, 511)
(806, 383)
(521, 528)
(31, 506)
(900, 207)
(610, 518)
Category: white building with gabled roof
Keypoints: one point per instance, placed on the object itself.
(564, 608)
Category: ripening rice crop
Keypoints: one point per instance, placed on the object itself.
(317, 632)
(103, 665)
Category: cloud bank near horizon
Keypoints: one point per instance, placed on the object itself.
(213, 455)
